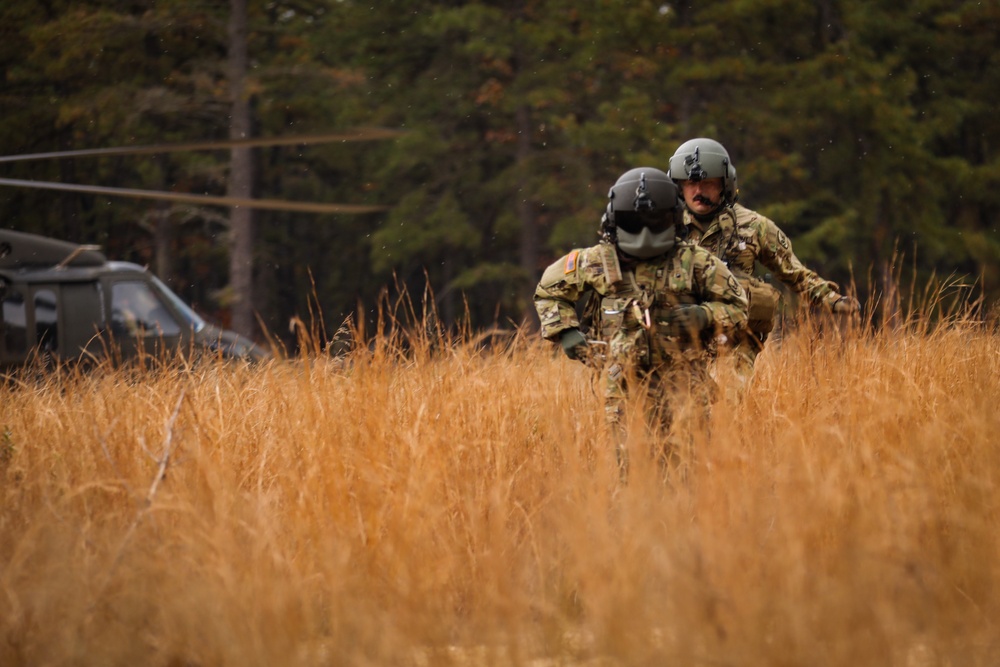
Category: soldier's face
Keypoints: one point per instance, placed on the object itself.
(704, 196)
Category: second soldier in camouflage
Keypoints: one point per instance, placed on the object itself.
(742, 238)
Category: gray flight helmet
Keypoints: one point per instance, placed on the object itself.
(698, 159)
(644, 209)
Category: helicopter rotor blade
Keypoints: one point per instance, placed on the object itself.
(360, 134)
(269, 204)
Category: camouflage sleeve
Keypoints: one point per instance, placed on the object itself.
(724, 297)
(563, 283)
(778, 257)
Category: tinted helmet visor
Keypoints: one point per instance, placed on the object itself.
(656, 221)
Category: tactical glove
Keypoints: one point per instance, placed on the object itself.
(688, 322)
(846, 305)
(574, 344)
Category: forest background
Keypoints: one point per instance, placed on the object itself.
(866, 129)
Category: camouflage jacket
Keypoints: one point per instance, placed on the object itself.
(636, 295)
(741, 237)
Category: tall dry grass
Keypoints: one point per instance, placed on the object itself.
(445, 504)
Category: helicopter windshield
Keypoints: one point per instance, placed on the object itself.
(192, 318)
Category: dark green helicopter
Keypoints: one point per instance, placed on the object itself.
(68, 301)
(64, 300)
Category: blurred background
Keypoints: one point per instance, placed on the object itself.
(866, 129)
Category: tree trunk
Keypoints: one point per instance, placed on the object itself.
(163, 233)
(240, 177)
(163, 242)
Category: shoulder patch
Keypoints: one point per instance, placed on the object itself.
(782, 239)
(571, 261)
(734, 285)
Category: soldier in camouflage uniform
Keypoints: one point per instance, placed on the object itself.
(741, 238)
(662, 302)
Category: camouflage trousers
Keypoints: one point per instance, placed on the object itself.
(674, 401)
(741, 351)
(744, 349)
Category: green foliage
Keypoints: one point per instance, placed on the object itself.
(862, 128)
(421, 229)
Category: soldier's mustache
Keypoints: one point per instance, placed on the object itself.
(702, 199)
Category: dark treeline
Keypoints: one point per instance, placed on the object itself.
(867, 129)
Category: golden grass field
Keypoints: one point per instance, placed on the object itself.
(460, 506)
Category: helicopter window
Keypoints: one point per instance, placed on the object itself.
(46, 320)
(188, 316)
(137, 311)
(15, 331)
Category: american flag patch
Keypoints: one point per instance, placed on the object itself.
(571, 262)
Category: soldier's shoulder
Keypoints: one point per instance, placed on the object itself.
(586, 259)
(579, 254)
(572, 264)
(592, 252)
(747, 216)
(752, 223)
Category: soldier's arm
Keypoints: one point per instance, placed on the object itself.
(725, 300)
(778, 257)
(561, 286)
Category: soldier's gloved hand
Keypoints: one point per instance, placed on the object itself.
(574, 344)
(846, 305)
(688, 321)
